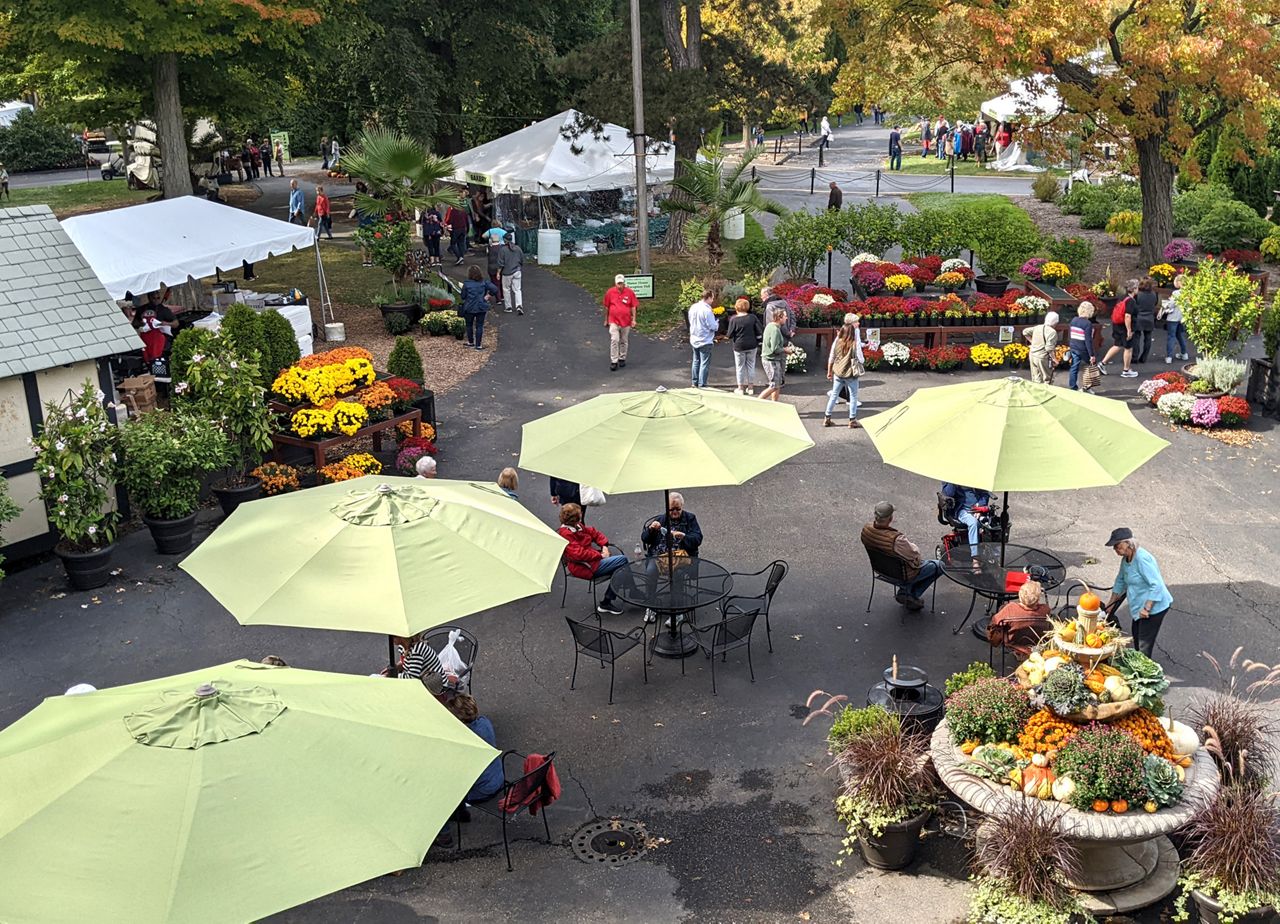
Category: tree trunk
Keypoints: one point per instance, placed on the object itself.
(1156, 175)
(171, 130)
(715, 253)
(746, 134)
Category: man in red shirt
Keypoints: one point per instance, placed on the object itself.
(619, 316)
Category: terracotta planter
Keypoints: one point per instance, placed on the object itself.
(232, 496)
(87, 570)
(1210, 911)
(895, 848)
(172, 537)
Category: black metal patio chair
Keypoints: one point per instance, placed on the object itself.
(468, 649)
(755, 590)
(892, 570)
(733, 631)
(606, 646)
(515, 796)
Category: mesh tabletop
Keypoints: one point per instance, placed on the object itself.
(994, 579)
(699, 583)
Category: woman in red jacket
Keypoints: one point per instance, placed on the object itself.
(587, 554)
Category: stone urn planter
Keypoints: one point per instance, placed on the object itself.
(1210, 911)
(86, 570)
(1126, 861)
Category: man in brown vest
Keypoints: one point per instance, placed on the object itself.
(881, 537)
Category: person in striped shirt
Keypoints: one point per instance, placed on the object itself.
(417, 660)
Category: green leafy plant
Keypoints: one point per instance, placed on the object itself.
(1144, 677)
(436, 323)
(1025, 864)
(1270, 247)
(405, 361)
(1235, 859)
(1271, 329)
(1160, 781)
(1074, 250)
(279, 345)
(801, 239)
(33, 141)
(190, 342)
(1105, 763)
(1217, 304)
(1125, 228)
(1230, 224)
(988, 710)
(1001, 241)
(931, 232)
(850, 723)
(77, 462)
(9, 510)
(456, 326)
(1190, 206)
(397, 323)
(388, 243)
(1045, 187)
(224, 387)
(759, 256)
(1063, 691)
(165, 455)
(888, 778)
(977, 670)
(242, 329)
(1222, 373)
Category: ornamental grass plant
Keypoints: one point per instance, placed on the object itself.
(1024, 862)
(888, 777)
(1235, 857)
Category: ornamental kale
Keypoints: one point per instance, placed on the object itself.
(1144, 677)
(1064, 691)
(1161, 781)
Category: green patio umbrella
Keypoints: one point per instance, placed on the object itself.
(1009, 434)
(376, 554)
(224, 794)
(651, 440)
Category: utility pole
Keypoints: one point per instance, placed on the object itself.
(638, 136)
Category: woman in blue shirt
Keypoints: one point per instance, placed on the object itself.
(467, 712)
(1139, 578)
(476, 295)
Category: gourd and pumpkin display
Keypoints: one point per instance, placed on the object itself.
(1079, 722)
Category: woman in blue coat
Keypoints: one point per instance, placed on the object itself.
(477, 292)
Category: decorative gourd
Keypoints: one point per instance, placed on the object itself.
(1184, 739)
(1064, 788)
(1037, 780)
(1118, 689)
(1090, 602)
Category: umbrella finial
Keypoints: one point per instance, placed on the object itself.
(385, 489)
(205, 690)
(661, 389)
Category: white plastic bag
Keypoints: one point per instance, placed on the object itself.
(450, 660)
(592, 497)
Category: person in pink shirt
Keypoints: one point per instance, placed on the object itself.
(620, 305)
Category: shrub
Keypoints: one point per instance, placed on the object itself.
(758, 256)
(1270, 247)
(870, 227)
(851, 723)
(397, 323)
(33, 142)
(1045, 188)
(1271, 329)
(1075, 251)
(166, 453)
(76, 461)
(242, 329)
(1247, 260)
(1001, 240)
(9, 510)
(977, 670)
(1125, 228)
(988, 710)
(1189, 207)
(279, 345)
(1230, 224)
(405, 361)
(1218, 303)
(1074, 199)
(931, 231)
(190, 342)
(801, 239)
(224, 387)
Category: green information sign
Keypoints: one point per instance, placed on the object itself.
(641, 285)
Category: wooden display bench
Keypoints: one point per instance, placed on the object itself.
(321, 447)
(928, 336)
(1058, 299)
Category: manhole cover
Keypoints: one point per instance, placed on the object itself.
(610, 843)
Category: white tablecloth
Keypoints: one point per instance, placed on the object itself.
(298, 316)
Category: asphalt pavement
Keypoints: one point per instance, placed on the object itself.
(736, 787)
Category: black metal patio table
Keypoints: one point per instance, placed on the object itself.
(691, 586)
(990, 578)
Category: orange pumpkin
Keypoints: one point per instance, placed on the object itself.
(1119, 806)
(1100, 805)
(1090, 602)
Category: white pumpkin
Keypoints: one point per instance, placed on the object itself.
(1184, 738)
(1063, 788)
(1052, 664)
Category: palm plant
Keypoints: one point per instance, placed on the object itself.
(711, 190)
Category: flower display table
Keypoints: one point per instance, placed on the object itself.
(1058, 299)
(929, 336)
(321, 446)
(1126, 861)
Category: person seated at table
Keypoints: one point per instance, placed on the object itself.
(1020, 623)
(587, 555)
(417, 660)
(489, 784)
(509, 481)
(966, 501)
(880, 536)
(425, 467)
(676, 533)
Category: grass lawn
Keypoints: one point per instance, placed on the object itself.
(74, 198)
(913, 163)
(349, 282)
(946, 200)
(663, 311)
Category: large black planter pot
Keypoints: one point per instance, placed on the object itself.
(172, 537)
(896, 847)
(87, 570)
(1210, 911)
(410, 310)
(232, 496)
(991, 285)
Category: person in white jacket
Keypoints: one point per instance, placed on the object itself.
(702, 334)
(844, 366)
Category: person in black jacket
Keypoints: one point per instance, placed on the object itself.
(745, 331)
(565, 492)
(1142, 324)
(676, 531)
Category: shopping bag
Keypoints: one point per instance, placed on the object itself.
(591, 497)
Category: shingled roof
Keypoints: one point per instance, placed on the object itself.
(53, 309)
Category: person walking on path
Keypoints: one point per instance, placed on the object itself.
(432, 231)
(335, 154)
(745, 330)
(280, 157)
(322, 213)
(926, 136)
(476, 293)
(1119, 335)
(895, 148)
(4, 183)
(297, 205)
(266, 156)
(836, 198)
(1139, 580)
(1175, 344)
(844, 366)
(825, 129)
(510, 263)
(456, 220)
(1140, 321)
(493, 250)
(1043, 339)
(324, 152)
(1081, 343)
(620, 305)
(702, 333)
(773, 355)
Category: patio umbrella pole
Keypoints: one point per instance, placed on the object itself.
(1004, 527)
(391, 656)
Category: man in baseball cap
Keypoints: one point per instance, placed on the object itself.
(880, 538)
(620, 306)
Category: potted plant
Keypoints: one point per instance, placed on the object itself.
(1218, 304)
(166, 453)
(223, 386)
(1001, 246)
(1024, 865)
(1233, 872)
(889, 785)
(1178, 252)
(77, 462)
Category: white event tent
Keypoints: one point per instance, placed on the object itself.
(544, 159)
(1032, 99)
(144, 247)
(9, 110)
